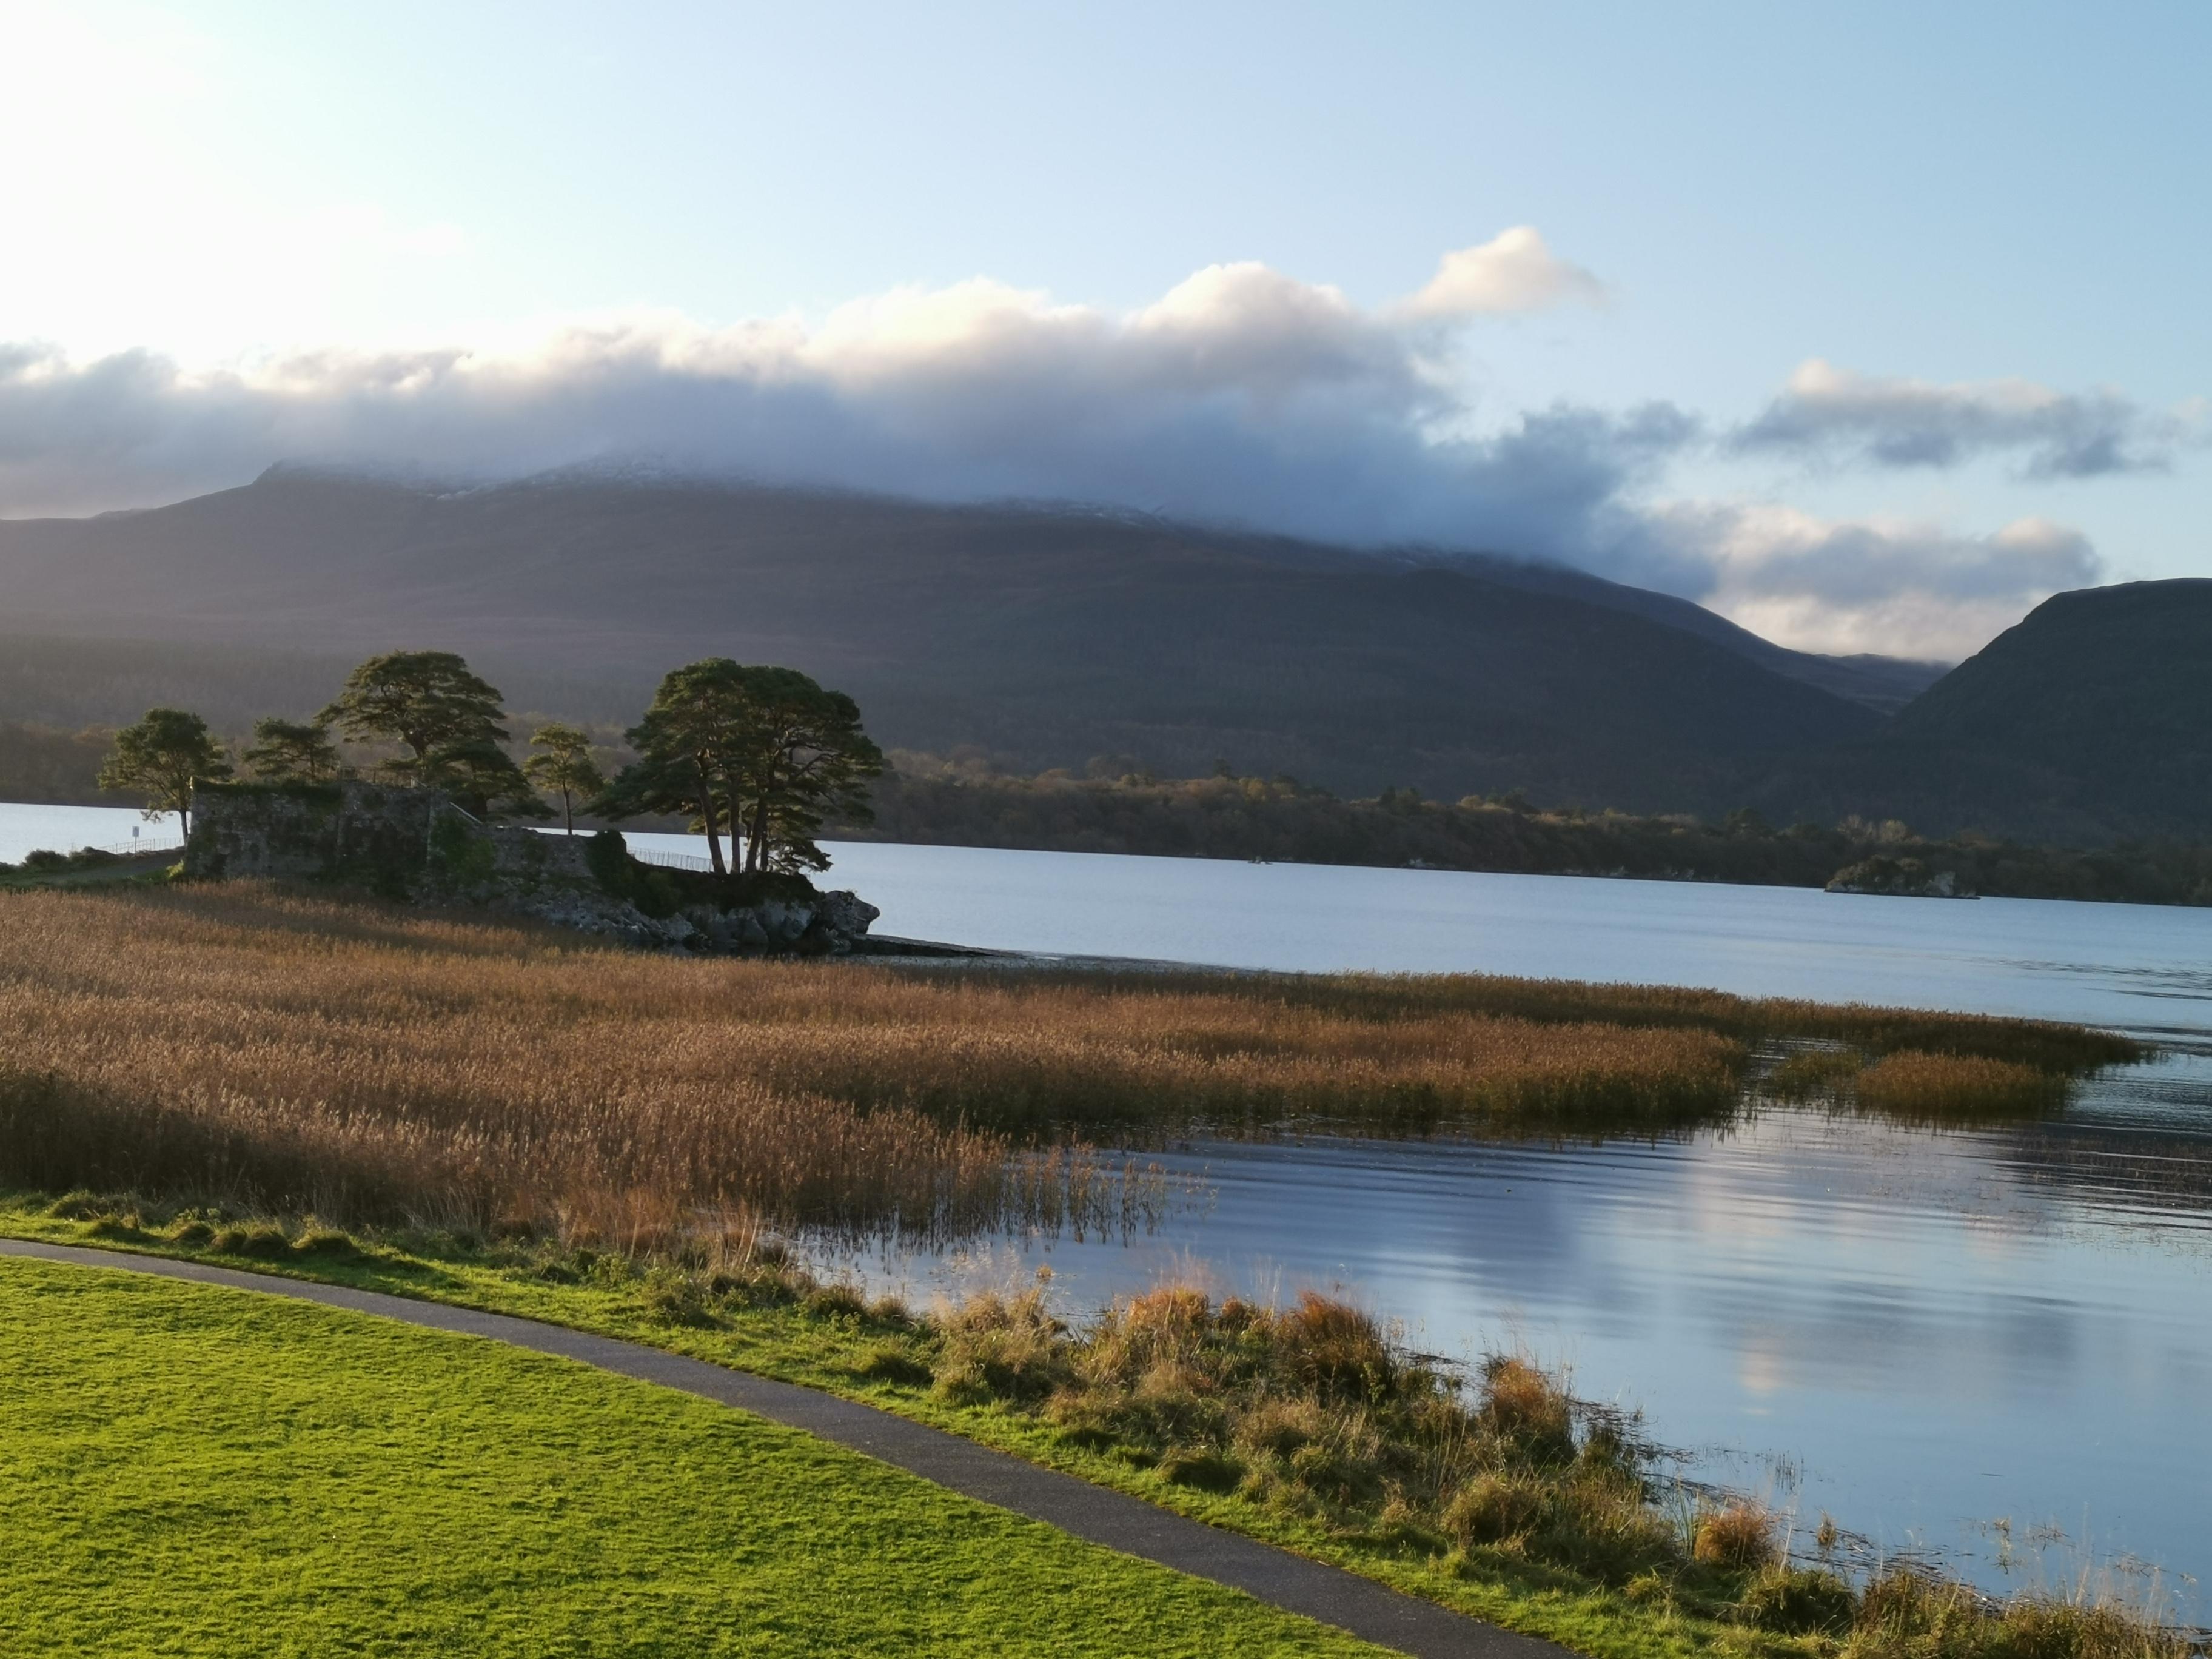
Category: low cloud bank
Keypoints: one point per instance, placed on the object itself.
(1893, 587)
(1241, 395)
(1834, 414)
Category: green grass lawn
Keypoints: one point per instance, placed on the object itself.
(191, 1470)
(830, 1353)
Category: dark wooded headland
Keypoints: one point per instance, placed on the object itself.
(933, 801)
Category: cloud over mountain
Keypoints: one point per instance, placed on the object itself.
(1894, 587)
(1241, 395)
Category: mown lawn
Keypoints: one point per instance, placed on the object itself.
(191, 1470)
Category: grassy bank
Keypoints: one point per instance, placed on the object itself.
(330, 1483)
(299, 1053)
(1304, 1424)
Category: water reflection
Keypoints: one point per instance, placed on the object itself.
(1917, 1331)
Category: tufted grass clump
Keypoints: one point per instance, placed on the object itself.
(1742, 1536)
(1907, 1615)
(1313, 1411)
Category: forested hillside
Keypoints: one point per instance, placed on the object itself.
(1053, 637)
(1046, 635)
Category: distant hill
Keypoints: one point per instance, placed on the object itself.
(1046, 636)
(1883, 684)
(2094, 713)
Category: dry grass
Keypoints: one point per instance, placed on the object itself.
(1312, 1411)
(1743, 1535)
(1916, 1087)
(298, 1056)
(305, 1056)
(1952, 1087)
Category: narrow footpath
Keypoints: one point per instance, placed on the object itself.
(1370, 1611)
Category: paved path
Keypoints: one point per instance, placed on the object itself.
(1361, 1606)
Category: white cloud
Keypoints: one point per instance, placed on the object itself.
(1514, 272)
(1897, 422)
(1241, 395)
(1894, 587)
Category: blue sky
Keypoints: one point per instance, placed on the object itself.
(951, 250)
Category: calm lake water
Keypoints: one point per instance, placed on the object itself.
(1922, 1333)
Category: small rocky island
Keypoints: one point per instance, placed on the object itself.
(416, 845)
(1898, 878)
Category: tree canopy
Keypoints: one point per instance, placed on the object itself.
(561, 764)
(161, 757)
(446, 717)
(687, 746)
(765, 753)
(806, 756)
(292, 751)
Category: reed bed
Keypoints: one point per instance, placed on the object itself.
(297, 1056)
(1910, 1085)
(2048, 1045)
(303, 1055)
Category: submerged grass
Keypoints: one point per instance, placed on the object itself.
(1495, 1492)
(1911, 1086)
(300, 1053)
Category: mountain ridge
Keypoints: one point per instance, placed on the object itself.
(1051, 636)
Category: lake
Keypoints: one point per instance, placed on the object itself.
(1922, 1333)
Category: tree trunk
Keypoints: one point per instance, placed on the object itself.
(756, 843)
(706, 817)
(567, 810)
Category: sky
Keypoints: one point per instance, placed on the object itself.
(1869, 327)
